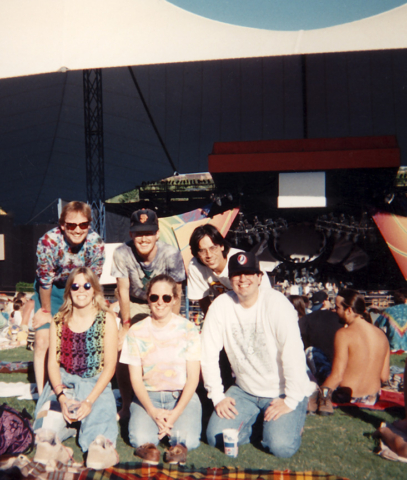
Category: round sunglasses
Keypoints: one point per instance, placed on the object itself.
(154, 298)
(72, 226)
(75, 286)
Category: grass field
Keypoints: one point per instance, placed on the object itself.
(340, 444)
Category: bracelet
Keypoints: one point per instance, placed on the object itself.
(60, 385)
(45, 311)
(127, 322)
(60, 393)
(88, 401)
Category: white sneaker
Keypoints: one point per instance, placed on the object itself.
(101, 454)
(49, 447)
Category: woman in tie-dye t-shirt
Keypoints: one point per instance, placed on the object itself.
(163, 353)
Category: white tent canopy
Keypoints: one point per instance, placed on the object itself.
(203, 81)
(52, 35)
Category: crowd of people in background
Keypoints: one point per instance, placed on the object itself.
(286, 355)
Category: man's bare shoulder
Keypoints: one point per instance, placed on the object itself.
(342, 334)
(381, 336)
(367, 331)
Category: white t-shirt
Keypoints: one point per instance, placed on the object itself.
(202, 280)
(17, 318)
(263, 344)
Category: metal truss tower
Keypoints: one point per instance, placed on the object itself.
(95, 164)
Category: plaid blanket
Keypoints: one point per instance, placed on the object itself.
(137, 471)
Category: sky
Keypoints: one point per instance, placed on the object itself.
(287, 14)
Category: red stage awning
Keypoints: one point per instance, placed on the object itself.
(305, 154)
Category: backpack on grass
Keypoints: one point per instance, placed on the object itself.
(16, 433)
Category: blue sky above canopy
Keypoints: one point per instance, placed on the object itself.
(287, 14)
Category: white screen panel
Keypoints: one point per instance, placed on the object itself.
(300, 190)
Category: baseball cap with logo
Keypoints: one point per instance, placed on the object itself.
(243, 262)
(144, 220)
(318, 298)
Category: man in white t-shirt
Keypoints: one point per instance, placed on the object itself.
(259, 332)
(208, 270)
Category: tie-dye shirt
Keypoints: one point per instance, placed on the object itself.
(162, 352)
(82, 353)
(56, 258)
(127, 264)
(393, 321)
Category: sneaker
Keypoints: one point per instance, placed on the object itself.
(313, 403)
(101, 454)
(176, 454)
(149, 453)
(49, 448)
(325, 402)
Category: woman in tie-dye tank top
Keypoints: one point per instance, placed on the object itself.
(80, 366)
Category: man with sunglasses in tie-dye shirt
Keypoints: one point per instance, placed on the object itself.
(70, 245)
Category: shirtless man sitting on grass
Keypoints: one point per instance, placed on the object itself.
(361, 357)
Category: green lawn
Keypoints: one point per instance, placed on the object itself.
(340, 444)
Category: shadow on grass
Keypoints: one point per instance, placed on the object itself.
(124, 431)
(367, 416)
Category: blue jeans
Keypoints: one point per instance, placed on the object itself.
(282, 437)
(186, 430)
(100, 421)
(318, 363)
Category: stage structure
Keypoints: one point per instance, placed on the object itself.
(311, 202)
(94, 145)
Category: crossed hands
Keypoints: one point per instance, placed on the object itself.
(164, 419)
(82, 412)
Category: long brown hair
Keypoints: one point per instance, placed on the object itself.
(299, 304)
(98, 298)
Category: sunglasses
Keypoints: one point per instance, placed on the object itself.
(75, 286)
(82, 226)
(154, 298)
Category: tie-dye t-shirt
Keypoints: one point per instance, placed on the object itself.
(162, 352)
(82, 353)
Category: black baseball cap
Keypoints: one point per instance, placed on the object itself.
(319, 297)
(243, 262)
(144, 220)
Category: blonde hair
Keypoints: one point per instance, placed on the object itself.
(98, 298)
(75, 207)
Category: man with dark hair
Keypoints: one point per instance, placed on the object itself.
(393, 321)
(318, 331)
(320, 301)
(70, 245)
(208, 271)
(259, 332)
(361, 357)
(135, 263)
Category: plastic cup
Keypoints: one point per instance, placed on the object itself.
(230, 439)
(73, 405)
